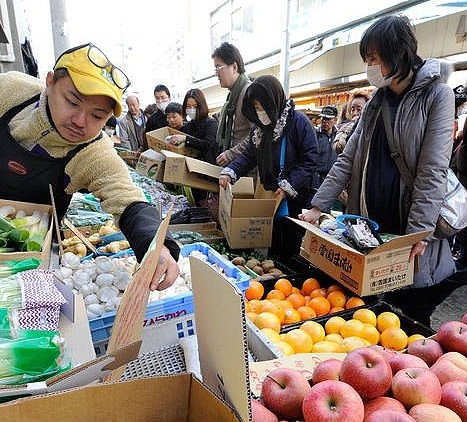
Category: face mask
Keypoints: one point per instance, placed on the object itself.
(191, 113)
(162, 106)
(263, 117)
(375, 77)
(109, 132)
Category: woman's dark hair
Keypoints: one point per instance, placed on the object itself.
(174, 108)
(393, 39)
(202, 109)
(229, 54)
(160, 88)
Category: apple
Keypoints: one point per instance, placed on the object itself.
(261, 413)
(328, 369)
(404, 360)
(429, 412)
(427, 349)
(389, 416)
(387, 353)
(383, 403)
(452, 336)
(451, 366)
(332, 401)
(454, 396)
(464, 318)
(412, 386)
(367, 371)
(282, 392)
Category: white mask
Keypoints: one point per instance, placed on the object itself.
(375, 77)
(191, 113)
(162, 106)
(263, 117)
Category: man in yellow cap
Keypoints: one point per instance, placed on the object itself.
(53, 135)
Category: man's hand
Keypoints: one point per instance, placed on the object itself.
(418, 249)
(222, 159)
(310, 216)
(166, 273)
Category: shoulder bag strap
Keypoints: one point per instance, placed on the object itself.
(395, 154)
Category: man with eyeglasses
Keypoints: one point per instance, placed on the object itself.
(51, 134)
(233, 130)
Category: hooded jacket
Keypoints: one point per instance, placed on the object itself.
(423, 131)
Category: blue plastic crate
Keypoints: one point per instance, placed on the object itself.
(175, 306)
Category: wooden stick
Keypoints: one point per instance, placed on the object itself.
(56, 222)
(79, 235)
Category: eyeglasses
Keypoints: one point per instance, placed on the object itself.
(99, 59)
(218, 68)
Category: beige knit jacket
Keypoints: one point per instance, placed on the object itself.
(96, 168)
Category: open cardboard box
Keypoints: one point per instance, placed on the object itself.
(246, 215)
(44, 254)
(151, 164)
(187, 171)
(382, 269)
(156, 141)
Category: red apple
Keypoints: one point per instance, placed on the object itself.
(387, 353)
(428, 412)
(282, 392)
(454, 396)
(452, 336)
(367, 371)
(383, 403)
(412, 386)
(328, 369)
(332, 401)
(389, 416)
(427, 349)
(464, 318)
(451, 366)
(404, 360)
(261, 413)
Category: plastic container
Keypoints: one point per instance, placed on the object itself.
(171, 307)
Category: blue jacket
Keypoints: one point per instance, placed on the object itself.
(300, 160)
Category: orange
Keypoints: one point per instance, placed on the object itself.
(296, 290)
(336, 338)
(286, 304)
(309, 285)
(255, 290)
(251, 316)
(318, 292)
(275, 294)
(351, 328)
(254, 305)
(326, 346)
(336, 298)
(387, 319)
(320, 304)
(306, 312)
(334, 287)
(370, 333)
(393, 338)
(300, 340)
(351, 343)
(283, 285)
(285, 348)
(270, 334)
(353, 302)
(336, 309)
(314, 329)
(273, 307)
(365, 315)
(268, 320)
(414, 337)
(333, 325)
(297, 300)
(291, 316)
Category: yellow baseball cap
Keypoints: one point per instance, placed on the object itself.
(92, 73)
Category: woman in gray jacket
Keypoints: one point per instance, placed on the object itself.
(419, 108)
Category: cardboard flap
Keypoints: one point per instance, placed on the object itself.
(243, 188)
(202, 167)
(401, 241)
(222, 336)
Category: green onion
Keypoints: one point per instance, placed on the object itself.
(36, 237)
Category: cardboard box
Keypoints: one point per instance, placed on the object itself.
(171, 399)
(181, 170)
(384, 268)
(203, 232)
(246, 216)
(151, 164)
(44, 254)
(156, 141)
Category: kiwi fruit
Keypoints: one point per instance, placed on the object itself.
(239, 260)
(267, 265)
(258, 269)
(252, 263)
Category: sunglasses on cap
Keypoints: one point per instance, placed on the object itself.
(98, 58)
